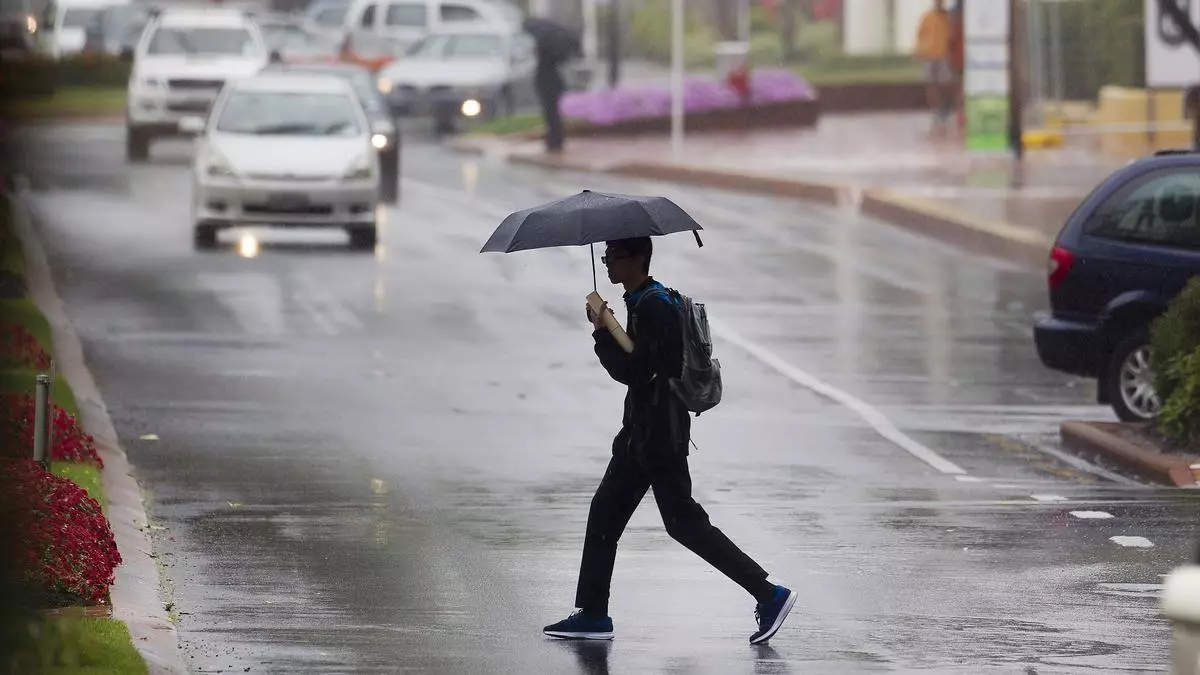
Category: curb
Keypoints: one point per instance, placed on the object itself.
(1094, 439)
(135, 593)
(980, 236)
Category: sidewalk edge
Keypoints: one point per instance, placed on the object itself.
(135, 593)
(1090, 439)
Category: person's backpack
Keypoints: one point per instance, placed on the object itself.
(699, 383)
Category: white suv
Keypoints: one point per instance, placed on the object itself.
(180, 65)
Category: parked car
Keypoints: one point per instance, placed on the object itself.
(328, 16)
(285, 151)
(184, 58)
(294, 39)
(67, 22)
(385, 138)
(117, 29)
(19, 28)
(1123, 255)
(477, 73)
(407, 21)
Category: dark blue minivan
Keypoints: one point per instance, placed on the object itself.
(1123, 255)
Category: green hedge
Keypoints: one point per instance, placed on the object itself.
(42, 76)
(1181, 413)
(1175, 344)
(1174, 335)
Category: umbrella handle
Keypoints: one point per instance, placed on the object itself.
(593, 248)
(696, 234)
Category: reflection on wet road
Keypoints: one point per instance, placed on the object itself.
(373, 462)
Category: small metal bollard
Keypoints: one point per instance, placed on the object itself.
(41, 421)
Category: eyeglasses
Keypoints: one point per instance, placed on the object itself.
(605, 258)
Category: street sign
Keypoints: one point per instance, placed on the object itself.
(1171, 60)
(986, 74)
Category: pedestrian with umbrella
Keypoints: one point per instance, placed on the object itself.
(555, 44)
(667, 367)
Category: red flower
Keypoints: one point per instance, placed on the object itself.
(65, 544)
(69, 442)
(20, 349)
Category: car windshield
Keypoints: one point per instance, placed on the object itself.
(79, 17)
(208, 41)
(270, 113)
(360, 80)
(297, 39)
(457, 47)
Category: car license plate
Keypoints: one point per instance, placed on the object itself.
(287, 200)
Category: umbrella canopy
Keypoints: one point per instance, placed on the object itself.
(556, 42)
(589, 218)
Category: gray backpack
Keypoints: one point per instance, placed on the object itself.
(699, 384)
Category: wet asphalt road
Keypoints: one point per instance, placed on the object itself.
(382, 463)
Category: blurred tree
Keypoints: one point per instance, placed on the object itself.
(789, 24)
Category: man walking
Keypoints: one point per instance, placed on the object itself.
(548, 81)
(651, 451)
(933, 47)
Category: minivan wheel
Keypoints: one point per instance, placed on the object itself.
(1130, 380)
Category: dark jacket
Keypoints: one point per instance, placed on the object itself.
(655, 421)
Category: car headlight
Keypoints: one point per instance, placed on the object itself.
(471, 107)
(361, 169)
(380, 141)
(385, 85)
(217, 166)
(149, 83)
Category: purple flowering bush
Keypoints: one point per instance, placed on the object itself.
(700, 94)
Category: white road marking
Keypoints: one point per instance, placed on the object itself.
(1048, 498)
(1132, 542)
(880, 423)
(968, 479)
(1092, 515)
(877, 420)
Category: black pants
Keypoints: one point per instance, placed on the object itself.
(548, 96)
(624, 484)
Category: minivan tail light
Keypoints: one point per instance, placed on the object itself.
(1059, 266)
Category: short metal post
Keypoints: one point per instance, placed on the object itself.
(41, 421)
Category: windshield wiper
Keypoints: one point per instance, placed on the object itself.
(292, 128)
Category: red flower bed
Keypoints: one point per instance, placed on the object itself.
(70, 443)
(64, 547)
(20, 349)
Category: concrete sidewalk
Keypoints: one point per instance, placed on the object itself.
(885, 165)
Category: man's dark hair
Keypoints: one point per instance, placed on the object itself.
(636, 247)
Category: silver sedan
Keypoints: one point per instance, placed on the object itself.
(287, 151)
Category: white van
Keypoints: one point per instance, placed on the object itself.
(406, 21)
(66, 23)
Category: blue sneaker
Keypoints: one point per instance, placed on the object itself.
(580, 627)
(770, 615)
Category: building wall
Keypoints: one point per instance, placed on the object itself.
(882, 26)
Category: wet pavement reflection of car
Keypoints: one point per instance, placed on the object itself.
(285, 150)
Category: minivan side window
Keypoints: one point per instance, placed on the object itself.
(1162, 207)
(407, 15)
(458, 14)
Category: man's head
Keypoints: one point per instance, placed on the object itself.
(628, 260)
(939, 5)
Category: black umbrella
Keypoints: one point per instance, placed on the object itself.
(556, 42)
(588, 218)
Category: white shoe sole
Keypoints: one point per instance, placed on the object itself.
(787, 607)
(579, 636)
